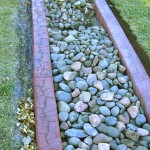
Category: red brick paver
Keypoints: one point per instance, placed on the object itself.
(135, 69)
(47, 125)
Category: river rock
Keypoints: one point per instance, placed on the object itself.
(98, 85)
(64, 68)
(80, 106)
(104, 110)
(89, 129)
(64, 126)
(92, 90)
(111, 121)
(78, 56)
(75, 133)
(140, 119)
(125, 101)
(133, 111)
(124, 118)
(122, 79)
(110, 104)
(63, 107)
(121, 68)
(63, 96)
(104, 63)
(107, 96)
(142, 132)
(69, 75)
(91, 79)
(115, 111)
(101, 138)
(54, 57)
(72, 84)
(121, 147)
(88, 140)
(73, 116)
(111, 75)
(69, 38)
(64, 87)
(58, 78)
(141, 148)
(69, 147)
(74, 141)
(114, 89)
(127, 142)
(76, 92)
(63, 116)
(76, 66)
(120, 126)
(103, 146)
(84, 146)
(85, 96)
(82, 85)
(94, 120)
(132, 135)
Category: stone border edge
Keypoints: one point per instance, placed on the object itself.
(129, 58)
(46, 116)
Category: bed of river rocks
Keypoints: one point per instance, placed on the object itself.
(97, 106)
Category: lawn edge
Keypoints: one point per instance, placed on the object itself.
(129, 58)
(46, 116)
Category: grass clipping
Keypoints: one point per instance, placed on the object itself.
(25, 115)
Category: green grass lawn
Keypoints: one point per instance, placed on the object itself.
(137, 14)
(8, 47)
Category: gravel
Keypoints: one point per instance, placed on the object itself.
(97, 106)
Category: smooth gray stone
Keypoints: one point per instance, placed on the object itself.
(61, 63)
(102, 138)
(64, 107)
(63, 116)
(64, 87)
(113, 144)
(82, 85)
(73, 116)
(64, 126)
(54, 57)
(78, 125)
(58, 78)
(115, 111)
(89, 129)
(104, 110)
(141, 148)
(132, 127)
(63, 96)
(110, 131)
(122, 92)
(105, 84)
(72, 84)
(92, 90)
(75, 133)
(121, 147)
(64, 68)
(74, 141)
(69, 147)
(78, 56)
(111, 121)
(104, 63)
(114, 89)
(140, 119)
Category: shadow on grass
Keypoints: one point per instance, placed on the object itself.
(132, 38)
